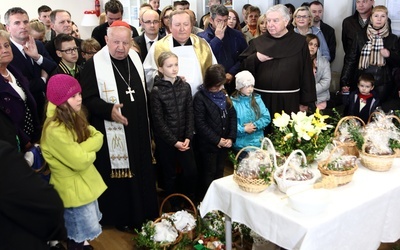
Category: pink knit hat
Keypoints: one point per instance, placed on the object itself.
(61, 87)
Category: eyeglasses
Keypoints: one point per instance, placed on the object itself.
(302, 17)
(166, 17)
(151, 22)
(89, 52)
(69, 51)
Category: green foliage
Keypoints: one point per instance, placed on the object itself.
(318, 133)
(213, 225)
(356, 136)
(184, 243)
(394, 144)
(265, 174)
(144, 237)
(232, 158)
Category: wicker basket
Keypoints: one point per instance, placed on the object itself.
(166, 245)
(380, 163)
(192, 233)
(254, 185)
(341, 177)
(349, 147)
(284, 184)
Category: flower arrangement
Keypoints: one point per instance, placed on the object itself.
(310, 133)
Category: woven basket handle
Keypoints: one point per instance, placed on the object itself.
(286, 164)
(272, 149)
(374, 113)
(328, 159)
(394, 116)
(346, 118)
(180, 195)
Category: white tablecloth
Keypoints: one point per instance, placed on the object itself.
(361, 214)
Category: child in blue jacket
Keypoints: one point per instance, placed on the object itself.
(252, 115)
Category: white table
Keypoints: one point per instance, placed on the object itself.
(361, 215)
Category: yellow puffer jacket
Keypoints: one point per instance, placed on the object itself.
(73, 174)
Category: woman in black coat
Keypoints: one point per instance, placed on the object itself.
(375, 50)
(215, 125)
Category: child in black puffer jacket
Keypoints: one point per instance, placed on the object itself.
(173, 126)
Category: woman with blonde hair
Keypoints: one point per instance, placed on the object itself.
(261, 25)
(376, 51)
(37, 30)
(302, 22)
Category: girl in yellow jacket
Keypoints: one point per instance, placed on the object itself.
(69, 145)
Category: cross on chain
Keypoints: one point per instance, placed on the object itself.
(130, 92)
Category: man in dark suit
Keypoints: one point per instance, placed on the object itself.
(151, 26)
(317, 12)
(30, 56)
(114, 11)
(31, 211)
(61, 23)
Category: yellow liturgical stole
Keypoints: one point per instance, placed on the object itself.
(200, 46)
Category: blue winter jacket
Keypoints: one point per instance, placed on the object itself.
(228, 49)
(246, 114)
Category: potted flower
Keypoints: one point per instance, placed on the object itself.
(310, 133)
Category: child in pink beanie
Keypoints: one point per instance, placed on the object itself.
(69, 145)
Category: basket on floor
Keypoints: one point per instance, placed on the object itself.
(340, 177)
(191, 234)
(166, 245)
(349, 147)
(256, 184)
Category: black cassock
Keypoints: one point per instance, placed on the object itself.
(289, 70)
(128, 201)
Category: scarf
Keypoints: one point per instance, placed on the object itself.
(361, 21)
(370, 53)
(219, 98)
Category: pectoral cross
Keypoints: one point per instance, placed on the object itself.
(130, 92)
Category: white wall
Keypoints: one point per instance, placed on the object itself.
(335, 12)
(75, 7)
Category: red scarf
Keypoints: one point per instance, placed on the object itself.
(364, 98)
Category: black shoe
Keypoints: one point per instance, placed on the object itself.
(126, 229)
(88, 247)
(58, 246)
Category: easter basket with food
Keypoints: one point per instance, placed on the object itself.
(337, 164)
(185, 219)
(295, 172)
(380, 140)
(347, 133)
(253, 173)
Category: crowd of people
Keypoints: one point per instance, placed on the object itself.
(130, 110)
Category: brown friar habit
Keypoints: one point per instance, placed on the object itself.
(289, 70)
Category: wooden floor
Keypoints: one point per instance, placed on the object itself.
(112, 239)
